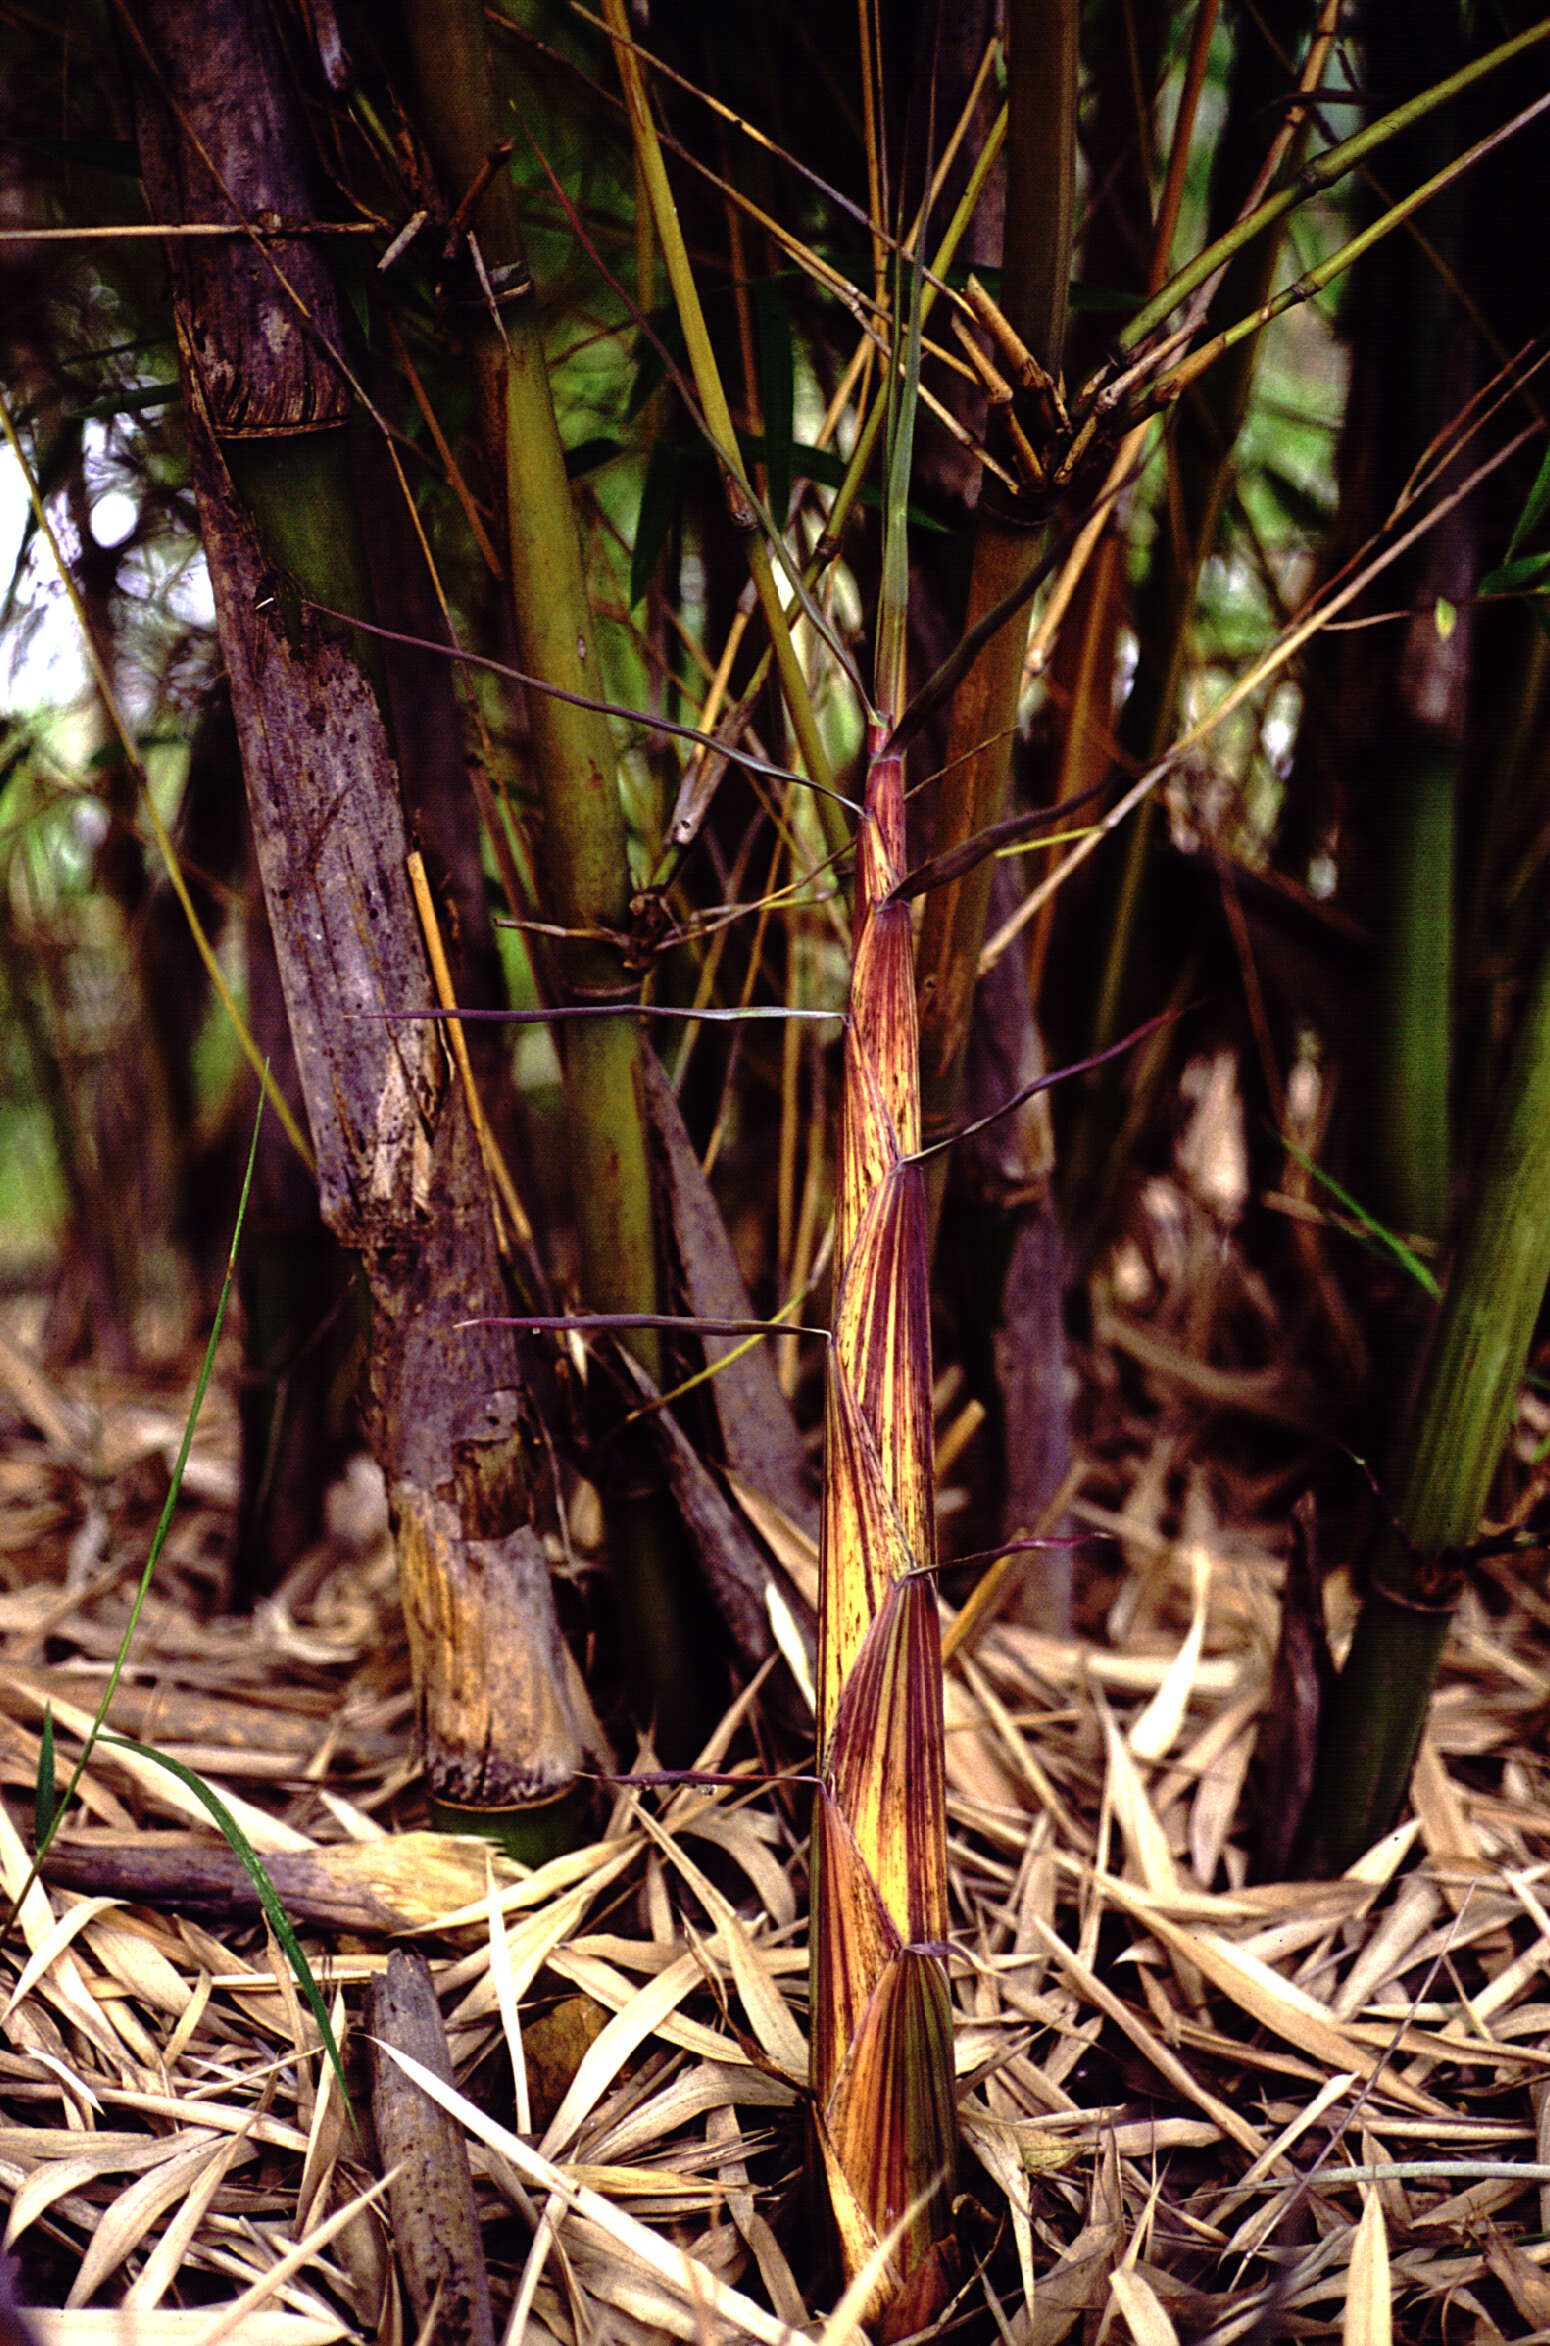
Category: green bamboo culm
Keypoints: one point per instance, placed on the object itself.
(1416, 1003)
(1463, 1409)
(585, 861)
(584, 848)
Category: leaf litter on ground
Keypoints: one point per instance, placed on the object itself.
(1192, 2103)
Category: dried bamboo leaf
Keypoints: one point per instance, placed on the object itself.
(1522, 2279)
(737, 1575)
(1142, 2308)
(738, 1834)
(56, 1972)
(1075, 2285)
(759, 1436)
(51, 1947)
(64, 2171)
(769, 2015)
(1158, 1728)
(1144, 1836)
(125, 2224)
(794, 1548)
(610, 1987)
(1368, 2306)
(128, 1951)
(618, 2041)
(689, 2280)
(1289, 2011)
(1233, 2125)
(162, 2267)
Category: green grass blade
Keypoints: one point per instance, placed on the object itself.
(1387, 1241)
(46, 1836)
(43, 1804)
(268, 1896)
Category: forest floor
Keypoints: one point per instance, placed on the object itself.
(1193, 2106)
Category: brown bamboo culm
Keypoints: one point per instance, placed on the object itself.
(882, 2060)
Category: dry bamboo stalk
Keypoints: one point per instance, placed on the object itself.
(882, 2024)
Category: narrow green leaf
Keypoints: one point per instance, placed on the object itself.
(894, 587)
(158, 1541)
(777, 391)
(43, 1797)
(1535, 507)
(1388, 1240)
(268, 1896)
(1526, 571)
(127, 402)
(659, 501)
(1307, 507)
(588, 456)
(1092, 300)
(118, 155)
(661, 343)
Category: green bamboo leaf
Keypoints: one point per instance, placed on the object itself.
(589, 456)
(777, 390)
(43, 1804)
(1526, 573)
(127, 402)
(268, 1896)
(1536, 505)
(118, 155)
(1109, 301)
(659, 501)
(1306, 508)
(662, 345)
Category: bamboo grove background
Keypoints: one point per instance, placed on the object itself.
(806, 583)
